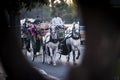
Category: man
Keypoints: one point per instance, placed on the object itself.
(37, 20)
(41, 30)
(44, 28)
(57, 21)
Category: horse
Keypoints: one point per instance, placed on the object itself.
(73, 43)
(51, 43)
(32, 42)
(28, 30)
(25, 38)
(63, 48)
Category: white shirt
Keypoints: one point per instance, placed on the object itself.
(57, 21)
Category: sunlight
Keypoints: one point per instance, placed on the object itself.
(57, 1)
(69, 2)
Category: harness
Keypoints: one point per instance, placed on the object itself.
(75, 33)
(53, 36)
(60, 32)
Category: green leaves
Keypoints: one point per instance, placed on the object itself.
(16, 5)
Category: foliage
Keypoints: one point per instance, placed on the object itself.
(44, 12)
(16, 5)
(67, 12)
(13, 7)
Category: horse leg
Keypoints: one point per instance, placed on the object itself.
(33, 57)
(54, 57)
(68, 58)
(68, 51)
(43, 57)
(23, 43)
(34, 54)
(78, 54)
(60, 57)
(25, 52)
(74, 61)
(45, 52)
(27, 43)
(51, 56)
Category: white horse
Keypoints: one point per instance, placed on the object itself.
(51, 45)
(74, 43)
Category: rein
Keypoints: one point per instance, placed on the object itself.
(75, 37)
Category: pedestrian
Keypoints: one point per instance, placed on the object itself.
(37, 20)
(44, 28)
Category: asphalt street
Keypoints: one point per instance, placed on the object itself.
(60, 70)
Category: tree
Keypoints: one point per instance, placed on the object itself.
(43, 11)
(66, 11)
(14, 63)
(12, 7)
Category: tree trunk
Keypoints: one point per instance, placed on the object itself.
(15, 64)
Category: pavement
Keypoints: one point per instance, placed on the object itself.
(46, 75)
(61, 64)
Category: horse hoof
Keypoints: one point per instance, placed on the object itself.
(50, 62)
(32, 60)
(54, 64)
(43, 62)
(68, 63)
(77, 57)
(30, 50)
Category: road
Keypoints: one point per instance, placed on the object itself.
(60, 70)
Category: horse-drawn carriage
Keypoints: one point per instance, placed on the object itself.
(58, 42)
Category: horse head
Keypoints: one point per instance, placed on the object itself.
(53, 32)
(76, 30)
